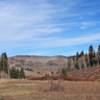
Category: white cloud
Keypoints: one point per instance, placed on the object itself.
(87, 24)
(62, 42)
(19, 21)
(46, 43)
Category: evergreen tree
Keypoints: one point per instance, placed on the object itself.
(82, 53)
(0, 66)
(76, 61)
(86, 60)
(95, 60)
(4, 63)
(22, 74)
(64, 72)
(69, 64)
(98, 54)
(14, 73)
(76, 64)
(91, 55)
(77, 56)
(18, 73)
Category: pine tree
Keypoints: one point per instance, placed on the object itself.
(64, 72)
(0, 66)
(95, 60)
(4, 63)
(77, 56)
(86, 60)
(14, 73)
(22, 74)
(91, 55)
(82, 53)
(98, 54)
(69, 64)
(76, 64)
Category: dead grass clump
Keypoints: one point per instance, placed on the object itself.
(1, 98)
(56, 86)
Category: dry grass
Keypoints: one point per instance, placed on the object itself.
(39, 90)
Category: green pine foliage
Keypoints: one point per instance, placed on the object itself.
(64, 72)
(77, 65)
(22, 74)
(91, 59)
(4, 63)
(16, 73)
(91, 55)
(98, 55)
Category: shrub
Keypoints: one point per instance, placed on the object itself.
(64, 72)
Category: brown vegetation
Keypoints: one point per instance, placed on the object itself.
(36, 90)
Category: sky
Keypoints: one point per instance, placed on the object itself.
(49, 27)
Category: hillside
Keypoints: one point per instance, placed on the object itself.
(91, 73)
(33, 61)
(38, 64)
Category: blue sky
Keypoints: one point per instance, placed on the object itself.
(48, 27)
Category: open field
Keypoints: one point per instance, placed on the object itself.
(39, 90)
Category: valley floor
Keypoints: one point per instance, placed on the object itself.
(39, 90)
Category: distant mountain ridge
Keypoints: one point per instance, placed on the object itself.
(33, 60)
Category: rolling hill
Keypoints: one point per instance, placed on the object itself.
(38, 66)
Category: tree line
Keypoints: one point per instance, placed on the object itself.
(82, 60)
(7, 72)
(79, 61)
(92, 58)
